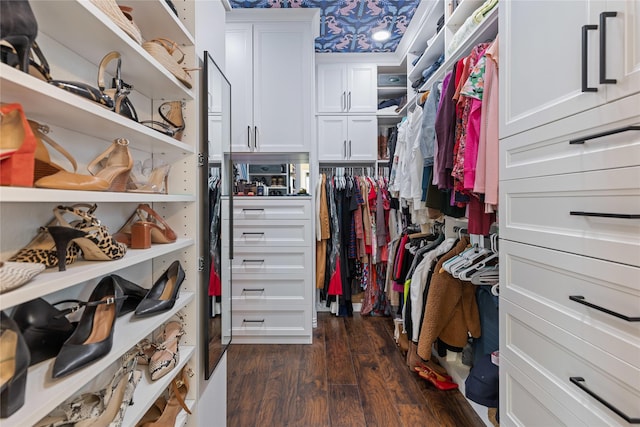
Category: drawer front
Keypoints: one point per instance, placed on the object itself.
(525, 403)
(262, 208)
(265, 323)
(542, 281)
(271, 260)
(255, 233)
(290, 289)
(556, 212)
(544, 347)
(547, 150)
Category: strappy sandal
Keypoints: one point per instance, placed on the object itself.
(171, 113)
(163, 51)
(143, 228)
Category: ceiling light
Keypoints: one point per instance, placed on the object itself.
(381, 35)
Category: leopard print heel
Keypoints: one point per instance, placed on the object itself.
(87, 233)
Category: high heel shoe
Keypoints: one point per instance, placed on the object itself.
(155, 183)
(143, 228)
(18, 27)
(164, 292)
(171, 112)
(178, 391)
(167, 354)
(43, 165)
(40, 70)
(110, 172)
(163, 51)
(91, 237)
(17, 146)
(93, 337)
(14, 364)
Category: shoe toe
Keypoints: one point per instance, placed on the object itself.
(148, 307)
(73, 357)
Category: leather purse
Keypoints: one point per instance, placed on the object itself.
(114, 98)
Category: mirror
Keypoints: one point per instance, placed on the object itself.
(216, 142)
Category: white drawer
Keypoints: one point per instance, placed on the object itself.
(542, 281)
(290, 289)
(272, 260)
(554, 212)
(549, 354)
(270, 323)
(525, 403)
(255, 233)
(264, 208)
(546, 150)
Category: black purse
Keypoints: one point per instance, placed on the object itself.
(114, 98)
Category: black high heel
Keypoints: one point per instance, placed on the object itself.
(93, 337)
(164, 292)
(14, 364)
(18, 27)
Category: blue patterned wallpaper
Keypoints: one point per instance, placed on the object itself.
(347, 25)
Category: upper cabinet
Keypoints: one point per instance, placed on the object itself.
(350, 138)
(347, 88)
(593, 49)
(270, 67)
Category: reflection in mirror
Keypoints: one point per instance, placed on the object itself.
(217, 123)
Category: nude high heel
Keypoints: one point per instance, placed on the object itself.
(178, 391)
(143, 228)
(43, 165)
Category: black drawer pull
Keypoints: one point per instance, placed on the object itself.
(261, 261)
(580, 300)
(607, 133)
(252, 209)
(585, 54)
(603, 46)
(579, 380)
(605, 215)
(252, 321)
(252, 234)
(252, 289)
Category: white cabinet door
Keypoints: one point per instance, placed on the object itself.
(239, 66)
(332, 88)
(332, 138)
(362, 95)
(362, 138)
(541, 69)
(622, 48)
(282, 85)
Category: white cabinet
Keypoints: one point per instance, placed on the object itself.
(569, 212)
(74, 36)
(270, 67)
(593, 46)
(272, 269)
(347, 88)
(351, 138)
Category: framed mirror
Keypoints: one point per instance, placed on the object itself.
(216, 196)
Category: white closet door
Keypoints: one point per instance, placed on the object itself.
(283, 63)
(332, 138)
(332, 88)
(363, 138)
(362, 84)
(623, 48)
(239, 66)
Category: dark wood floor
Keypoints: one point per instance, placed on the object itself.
(352, 375)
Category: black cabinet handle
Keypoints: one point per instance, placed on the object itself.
(579, 380)
(601, 134)
(603, 47)
(252, 321)
(252, 234)
(581, 300)
(605, 215)
(252, 209)
(585, 54)
(257, 261)
(249, 137)
(255, 138)
(252, 289)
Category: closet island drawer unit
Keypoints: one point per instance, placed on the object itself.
(272, 270)
(597, 387)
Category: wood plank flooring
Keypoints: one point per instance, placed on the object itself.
(353, 375)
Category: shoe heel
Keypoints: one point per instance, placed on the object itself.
(22, 45)
(17, 170)
(141, 235)
(62, 236)
(12, 397)
(119, 183)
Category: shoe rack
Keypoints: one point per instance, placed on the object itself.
(74, 36)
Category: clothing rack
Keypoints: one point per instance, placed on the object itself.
(347, 170)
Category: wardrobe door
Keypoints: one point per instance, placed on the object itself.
(332, 138)
(362, 83)
(622, 48)
(239, 68)
(332, 88)
(363, 137)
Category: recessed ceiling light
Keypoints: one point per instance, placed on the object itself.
(381, 35)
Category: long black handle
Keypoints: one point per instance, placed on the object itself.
(261, 261)
(252, 289)
(579, 380)
(603, 47)
(246, 233)
(601, 134)
(585, 54)
(249, 137)
(605, 215)
(252, 321)
(581, 300)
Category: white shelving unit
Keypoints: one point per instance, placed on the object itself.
(74, 36)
